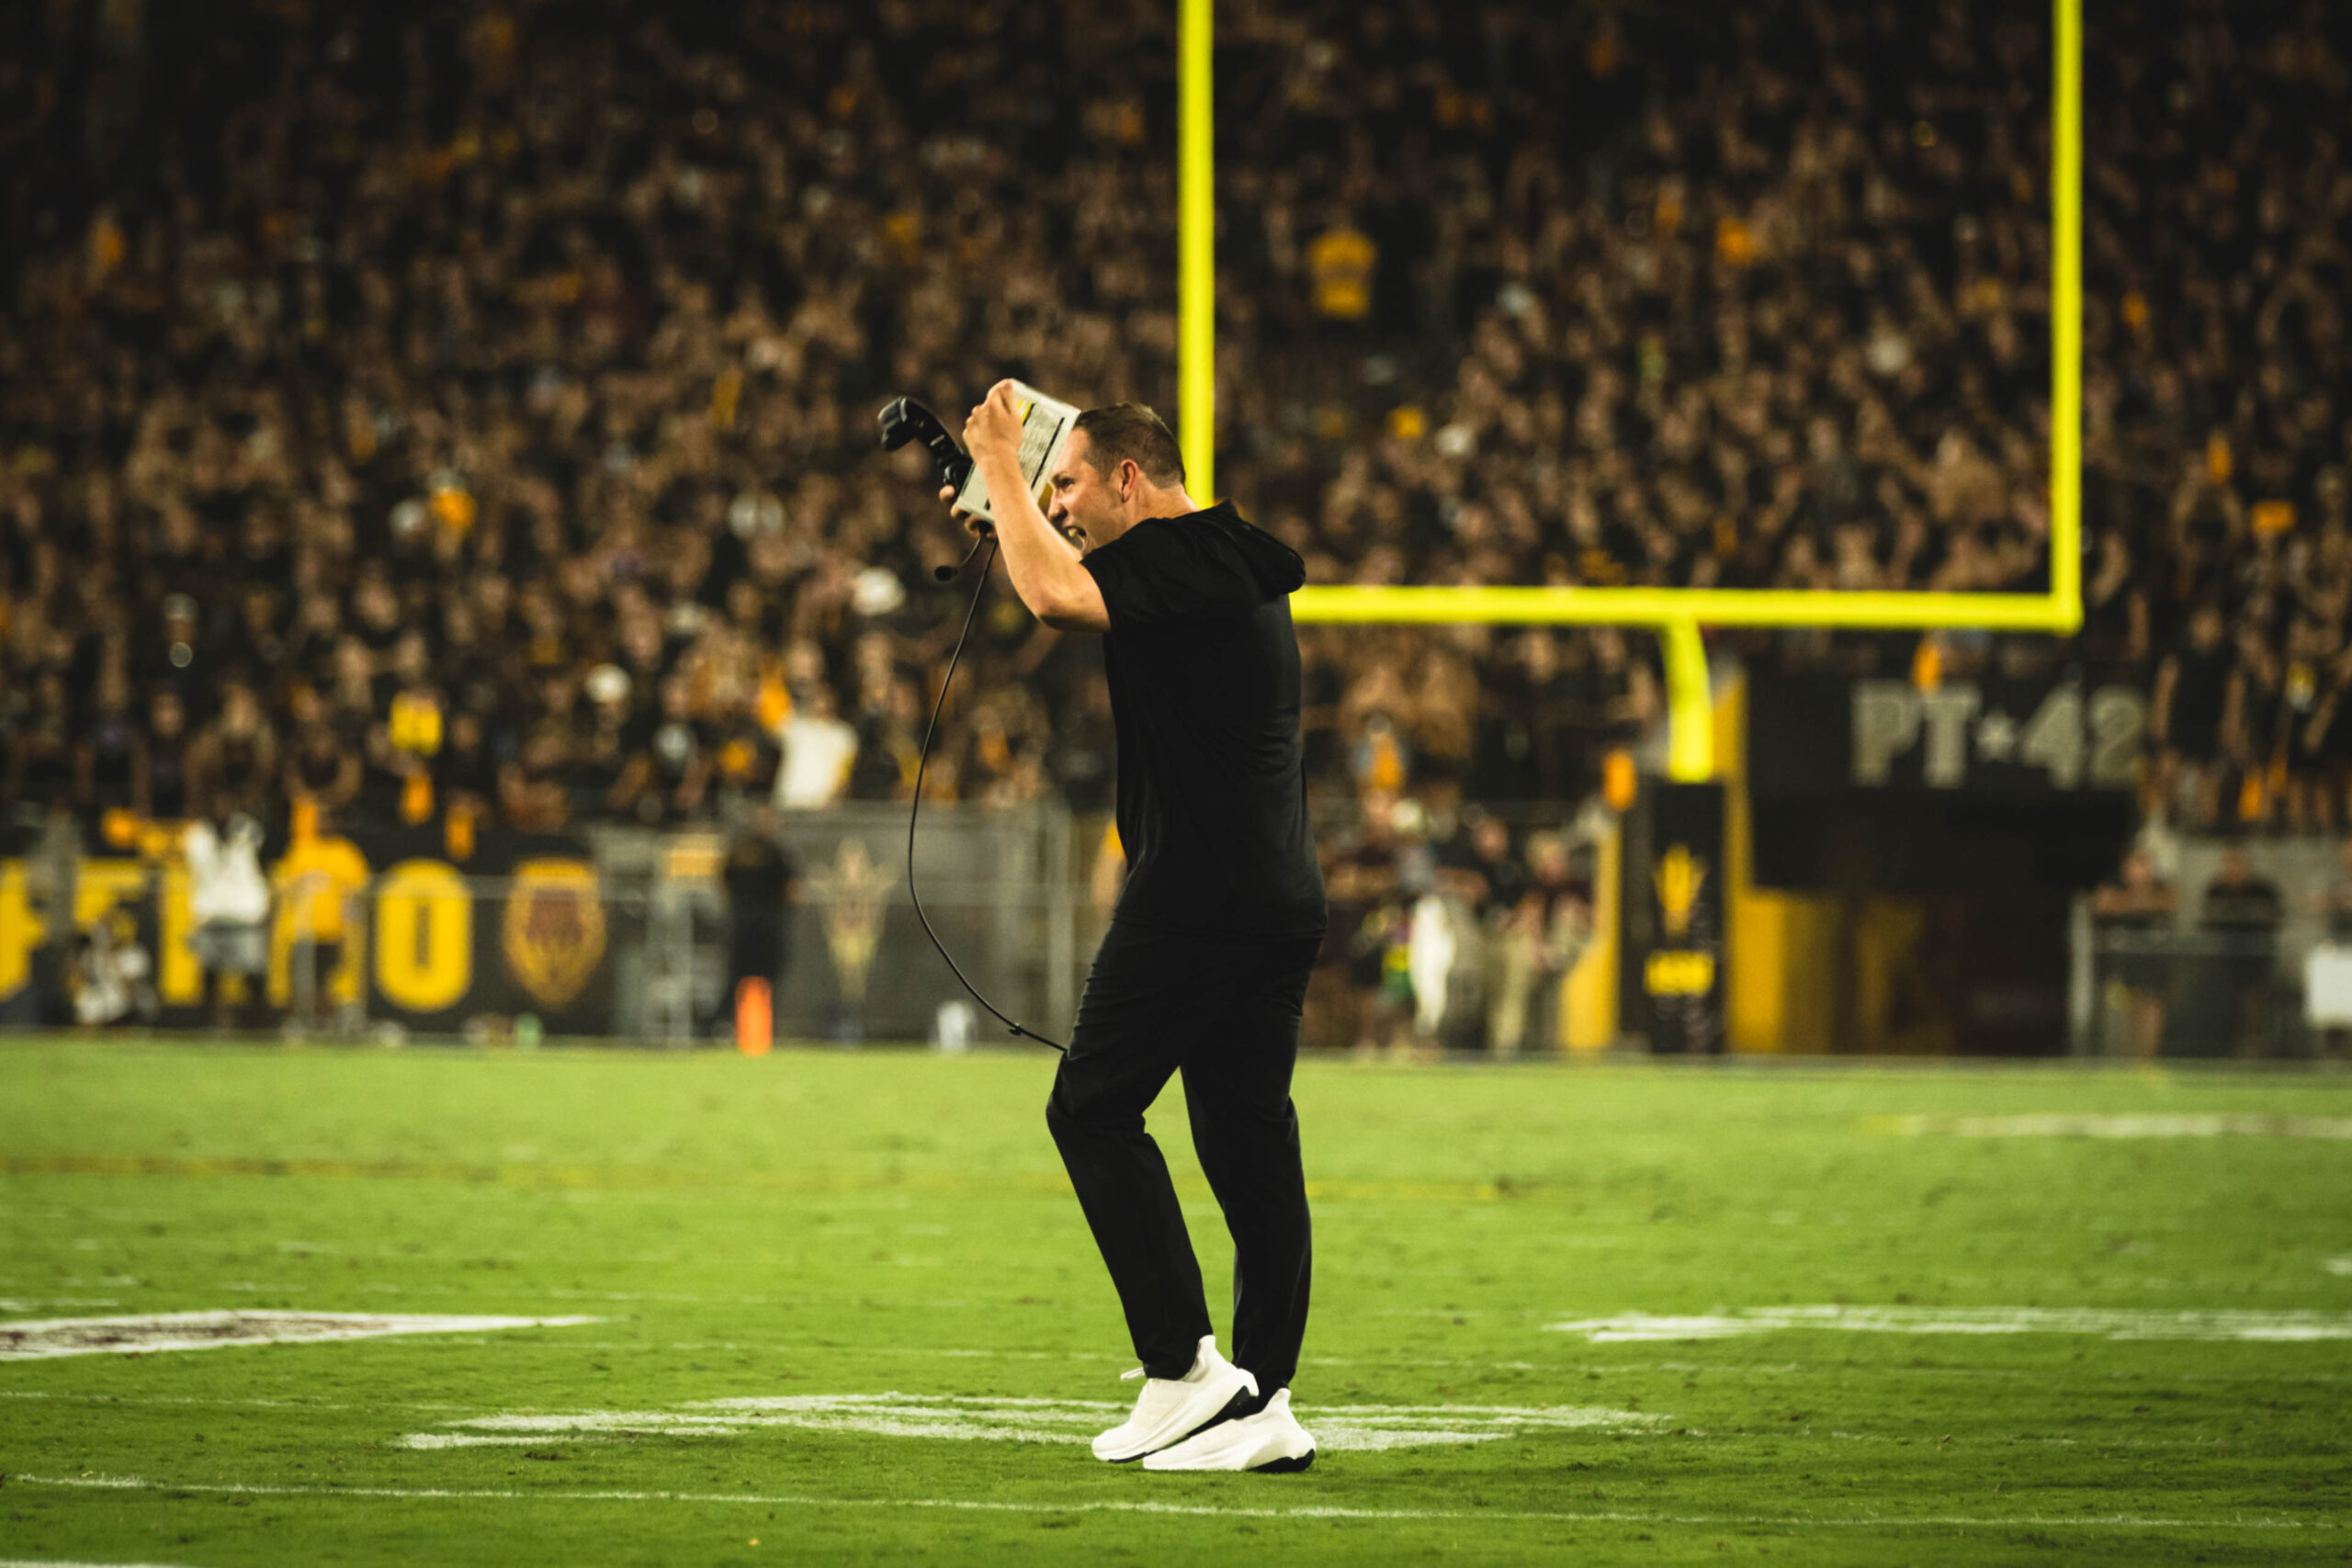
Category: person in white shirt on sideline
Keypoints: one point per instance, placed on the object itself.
(228, 901)
(818, 751)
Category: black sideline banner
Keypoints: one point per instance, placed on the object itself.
(520, 926)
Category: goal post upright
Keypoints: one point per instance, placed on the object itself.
(2066, 314)
(1195, 249)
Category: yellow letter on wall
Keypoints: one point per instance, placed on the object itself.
(424, 936)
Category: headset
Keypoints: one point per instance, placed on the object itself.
(902, 421)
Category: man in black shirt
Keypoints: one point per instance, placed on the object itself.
(759, 874)
(1204, 969)
(2242, 912)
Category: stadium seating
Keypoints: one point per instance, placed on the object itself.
(488, 394)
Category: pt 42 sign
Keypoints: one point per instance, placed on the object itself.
(1968, 734)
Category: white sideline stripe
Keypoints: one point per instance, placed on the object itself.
(2084, 1126)
(2338, 1265)
(140, 1333)
(56, 1562)
(1204, 1510)
(2107, 1323)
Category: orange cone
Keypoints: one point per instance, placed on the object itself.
(755, 1017)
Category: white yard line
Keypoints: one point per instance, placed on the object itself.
(686, 1298)
(1203, 1510)
(901, 1352)
(223, 1403)
(1338, 1428)
(2103, 1323)
(2082, 1126)
(140, 1332)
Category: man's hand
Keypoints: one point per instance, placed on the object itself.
(992, 431)
(972, 523)
(1042, 560)
(994, 428)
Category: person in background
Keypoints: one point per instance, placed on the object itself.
(319, 765)
(820, 750)
(680, 758)
(235, 761)
(1542, 939)
(761, 877)
(2327, 968)
(113, 975)
(159, 786)
(2185, 713)
(321, 879)
(42, 752)
(1495, 876)
(465, 775)
(1488, 878)
(1367, 918)
(531, 786)
(1430, 945)
(228, 901)
(111, 752)
(2131, 915)
(2243, 911)
(53, 886)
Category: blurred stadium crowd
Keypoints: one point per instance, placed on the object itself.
(412, 409)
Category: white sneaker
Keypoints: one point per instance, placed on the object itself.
(1270, 1440)
(1172, 1409)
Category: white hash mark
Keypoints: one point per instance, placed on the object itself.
(42, 1338)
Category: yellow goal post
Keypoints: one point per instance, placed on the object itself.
(1676, 614)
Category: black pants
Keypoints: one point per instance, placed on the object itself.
(755, 951)
(1224, 1012)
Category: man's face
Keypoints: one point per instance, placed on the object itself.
(1083, 505)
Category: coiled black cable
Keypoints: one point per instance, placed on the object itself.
(914, 807)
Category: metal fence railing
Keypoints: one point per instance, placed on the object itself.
(2197, 994)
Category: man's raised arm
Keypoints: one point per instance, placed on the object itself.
(1045, 568)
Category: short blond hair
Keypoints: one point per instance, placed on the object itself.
(1132, 433)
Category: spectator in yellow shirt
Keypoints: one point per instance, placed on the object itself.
(1339, 263)
(318, 880)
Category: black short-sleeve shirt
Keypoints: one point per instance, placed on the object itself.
(1204, 693)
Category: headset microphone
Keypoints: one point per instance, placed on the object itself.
(950, 573)
(902, 421)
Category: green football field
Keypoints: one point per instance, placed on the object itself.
(841, 1306)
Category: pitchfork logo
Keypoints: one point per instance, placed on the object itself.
(852, 890)
(1679, 876)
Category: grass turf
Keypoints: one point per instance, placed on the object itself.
(828, 1224)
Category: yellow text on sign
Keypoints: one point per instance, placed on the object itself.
(424, 936)
(1670, 973)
